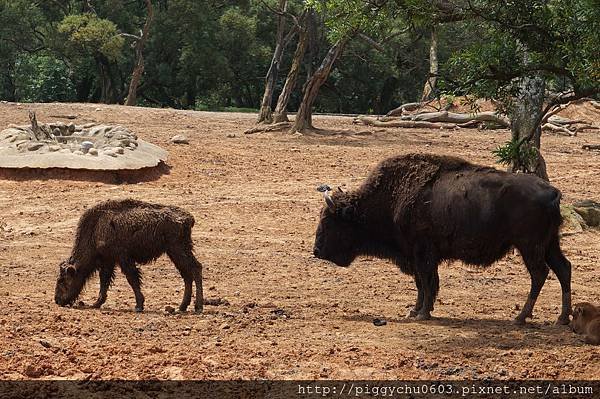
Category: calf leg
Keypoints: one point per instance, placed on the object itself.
(190, 270)
(133, 276)
(107, 274)
(562, 268)
(538, 271)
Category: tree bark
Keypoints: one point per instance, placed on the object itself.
(280, 114)
(311, 88)
(138, 69)
(433, 67)
(526, 117)
(265, 113)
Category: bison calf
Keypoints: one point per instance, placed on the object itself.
(418, 210)
(129, 232)
(586, 321)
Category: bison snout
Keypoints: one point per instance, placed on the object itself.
(316, 252)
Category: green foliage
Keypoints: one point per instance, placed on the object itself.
(516, 151)
(92, 35)
(43, 78)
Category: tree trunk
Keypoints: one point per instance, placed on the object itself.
(526, 118)
(311, 88)
(108, 89)
(265, 113)
(138, 69)
(433, 67)
(290, 82)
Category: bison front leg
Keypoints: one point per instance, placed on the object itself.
(430, 284)
(538, 271)
(107, 274)
(134, 279)
(419, 303)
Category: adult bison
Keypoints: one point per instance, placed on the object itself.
(418, 210)
(129, 232)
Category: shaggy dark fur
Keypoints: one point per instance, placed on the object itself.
(418, 210)
(129, 232)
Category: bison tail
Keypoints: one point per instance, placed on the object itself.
(554, 207)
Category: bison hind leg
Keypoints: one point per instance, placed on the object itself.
(191, 271)
(561, 266)
(538, 272)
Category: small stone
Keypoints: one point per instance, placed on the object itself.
(225, 326)
(169, 309)
(231, 136)
(93, 151)
(179, 139)
(45, 343)
(65, 151)
(78, 152)
(35, 146)
(54, 148)
(119, 150)
(110, 153)
(379, 322)
(85, 146)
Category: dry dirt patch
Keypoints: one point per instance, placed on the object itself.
(289, 316)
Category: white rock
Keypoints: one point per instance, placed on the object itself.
(179, 139)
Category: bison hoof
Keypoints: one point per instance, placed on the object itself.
(139, 309)
(562, 321)
(96, 305)
(520, 321)
(412, 313)
(423, 316)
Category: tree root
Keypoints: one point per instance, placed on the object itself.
(275, 127)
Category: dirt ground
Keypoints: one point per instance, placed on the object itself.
(289, 315)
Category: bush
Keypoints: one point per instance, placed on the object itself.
(43, 78)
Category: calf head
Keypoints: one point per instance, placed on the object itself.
(338, 235)
(68, 285)
(582, 314)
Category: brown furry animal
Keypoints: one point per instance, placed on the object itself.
(129, 232)
(418, 210)
(586, 320)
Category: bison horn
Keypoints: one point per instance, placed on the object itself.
(329, 200)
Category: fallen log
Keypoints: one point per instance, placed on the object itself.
(558, 129)
(408, 107)
(369, 121)
(453, 117)
(591, 146)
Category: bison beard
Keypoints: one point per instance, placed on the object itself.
(129, 232)
(418, 210)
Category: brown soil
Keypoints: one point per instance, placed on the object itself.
(289, 315)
